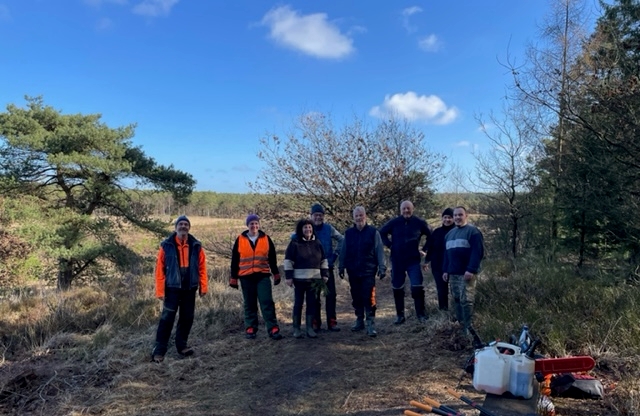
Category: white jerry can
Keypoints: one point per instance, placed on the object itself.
(521, 376)
(492, 369)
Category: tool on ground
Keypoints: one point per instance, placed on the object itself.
(437, 404)
(483, 411)
(410, 413)
(431, 409)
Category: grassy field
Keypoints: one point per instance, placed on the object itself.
(87, 351)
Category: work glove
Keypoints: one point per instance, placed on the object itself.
(276, 279)
(382, 275)
(233, 283)
(341, 274)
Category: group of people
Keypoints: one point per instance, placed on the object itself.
(454, 250)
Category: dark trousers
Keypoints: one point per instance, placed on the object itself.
(304, 289)
(442, 288)
(183, 300)
(363, 294)
(257, 288)
(330, 303)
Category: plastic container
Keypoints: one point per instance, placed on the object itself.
(521, 375)
(492, 369)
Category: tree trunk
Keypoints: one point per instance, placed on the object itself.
(65, 274)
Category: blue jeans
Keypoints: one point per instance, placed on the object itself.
(401, 269)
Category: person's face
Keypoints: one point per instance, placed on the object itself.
(253, 226)
(318, 218)
(359, 218)
(447, 220)
(406, 209)
(459, 217)
(307, 231)
(182, 229)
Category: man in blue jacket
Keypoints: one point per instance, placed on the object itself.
(331, 240)
(362, 255)
(463, 254)
(406, 232)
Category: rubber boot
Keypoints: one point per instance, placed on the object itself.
(371, 328)
(310, 332)
(398, 297)
(297, 333)
(417, 293)
(358, 325)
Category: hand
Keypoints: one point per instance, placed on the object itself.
(468, 276)
(382, 275)
(276, 279)
(326, 279)
(445, 277)
(160, 298)
(289, 282)
(422, 253)
(233, 283)
(425, 267)
(341, 274)
(201, 293)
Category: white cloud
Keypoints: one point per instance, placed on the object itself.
(428, 108)
(463, 143)
(429, 43)
(406, 13)
(155, 8)
(312, 34)
(4, 12)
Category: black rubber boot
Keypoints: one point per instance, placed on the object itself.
(297, 332)
(371, 328)
(310, 332)
(398, 297)
(417, 293)
(358, 325)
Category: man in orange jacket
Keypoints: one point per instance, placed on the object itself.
(181, 271)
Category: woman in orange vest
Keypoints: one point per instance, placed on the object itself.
(253, 261)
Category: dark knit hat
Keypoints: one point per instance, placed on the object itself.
(252, 217)
(183, 218)
(317, 208)
(448, 211)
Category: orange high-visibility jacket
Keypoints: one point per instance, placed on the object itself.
(253, 260)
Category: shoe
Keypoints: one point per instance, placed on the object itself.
(332, 326)
(250, 333)
(358, 325)
(399, 320)
(275, 334)
(186, 352)
(422, 319)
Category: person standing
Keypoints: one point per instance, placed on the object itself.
(435, 255)
(463, 255)
(181, 271)
(362, 255)
(253, 261)
(406, 232)
(331, 241)
(304, 265)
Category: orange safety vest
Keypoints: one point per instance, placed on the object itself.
(253, 261)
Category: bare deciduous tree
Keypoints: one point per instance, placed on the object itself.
(353, 164)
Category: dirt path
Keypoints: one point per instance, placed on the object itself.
(337, 374)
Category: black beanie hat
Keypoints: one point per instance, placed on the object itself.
(317, 208)
(183, 218)
(448, 211)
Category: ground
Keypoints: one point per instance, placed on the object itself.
(339, 373)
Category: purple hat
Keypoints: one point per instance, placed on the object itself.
(252, 217)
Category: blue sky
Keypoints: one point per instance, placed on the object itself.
(204, 80)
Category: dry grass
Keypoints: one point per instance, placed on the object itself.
(87, 352)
